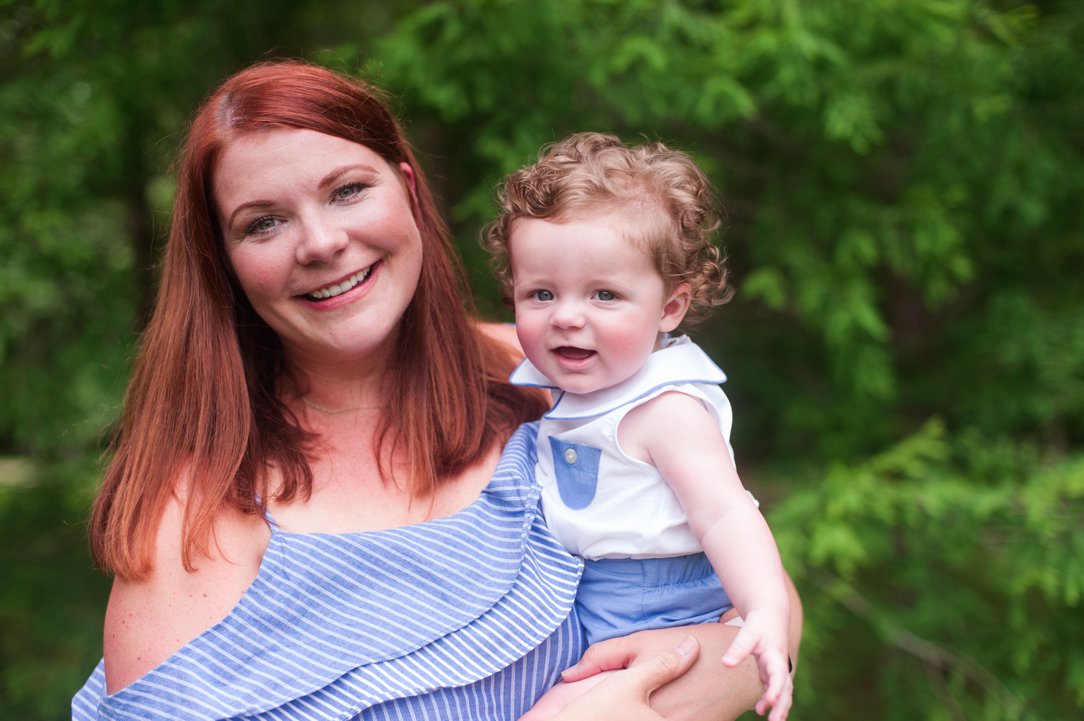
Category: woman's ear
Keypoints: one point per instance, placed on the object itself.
(675, 308)
(408, 174)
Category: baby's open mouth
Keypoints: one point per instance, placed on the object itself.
(572, 353)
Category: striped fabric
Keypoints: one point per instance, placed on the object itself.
(465, 617)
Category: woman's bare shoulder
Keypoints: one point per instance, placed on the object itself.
(505, 333)
(149, 619)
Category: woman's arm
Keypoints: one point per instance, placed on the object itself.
(708, 691)
(149, 620)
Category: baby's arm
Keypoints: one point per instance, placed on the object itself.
(677, 434)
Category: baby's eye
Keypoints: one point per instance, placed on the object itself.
(605, 295)
(347, 192)
(261, 225)
(543, 295)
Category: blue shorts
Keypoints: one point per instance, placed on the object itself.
(620, 595)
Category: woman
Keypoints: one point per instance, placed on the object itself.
(319, 505)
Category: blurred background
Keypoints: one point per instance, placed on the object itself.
(903, 183)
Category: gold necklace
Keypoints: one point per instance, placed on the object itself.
(336, 411)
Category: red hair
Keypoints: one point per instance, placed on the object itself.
(203, 399)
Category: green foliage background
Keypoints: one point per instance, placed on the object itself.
(903, 180)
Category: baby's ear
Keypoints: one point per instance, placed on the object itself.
(675, 308)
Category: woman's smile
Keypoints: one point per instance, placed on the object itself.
(336, 289)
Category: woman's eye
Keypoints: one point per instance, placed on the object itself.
(347, 192)
(606, 295)
(261, 225)
(543, 295)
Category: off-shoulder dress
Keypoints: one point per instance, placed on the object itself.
(465, 617)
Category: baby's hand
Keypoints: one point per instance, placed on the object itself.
(765, 636)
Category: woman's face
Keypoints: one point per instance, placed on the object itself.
(321, 235)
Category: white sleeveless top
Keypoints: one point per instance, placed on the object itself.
(598, 501)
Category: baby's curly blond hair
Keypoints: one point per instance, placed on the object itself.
(668, 199)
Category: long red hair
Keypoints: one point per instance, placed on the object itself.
(203, 400)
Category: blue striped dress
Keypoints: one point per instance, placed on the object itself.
(465, 617)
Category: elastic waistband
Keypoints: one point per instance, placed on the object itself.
(649, 571)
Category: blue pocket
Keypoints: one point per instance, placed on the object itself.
(576, 469)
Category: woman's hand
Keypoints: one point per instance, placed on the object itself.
(709, 691)
(624, 696)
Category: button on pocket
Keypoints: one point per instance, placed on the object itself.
(575, 467)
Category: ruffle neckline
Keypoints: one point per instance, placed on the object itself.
(489, 582)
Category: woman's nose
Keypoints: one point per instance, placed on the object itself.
(320, 241)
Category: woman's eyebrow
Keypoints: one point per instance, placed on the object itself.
(247, 206)
(332, 177)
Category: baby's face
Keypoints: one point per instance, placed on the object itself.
(590, 306)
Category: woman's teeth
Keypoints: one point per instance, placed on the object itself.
(333, 290)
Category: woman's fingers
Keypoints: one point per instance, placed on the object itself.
(605, 656)
(624, 695)
(664, 667)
